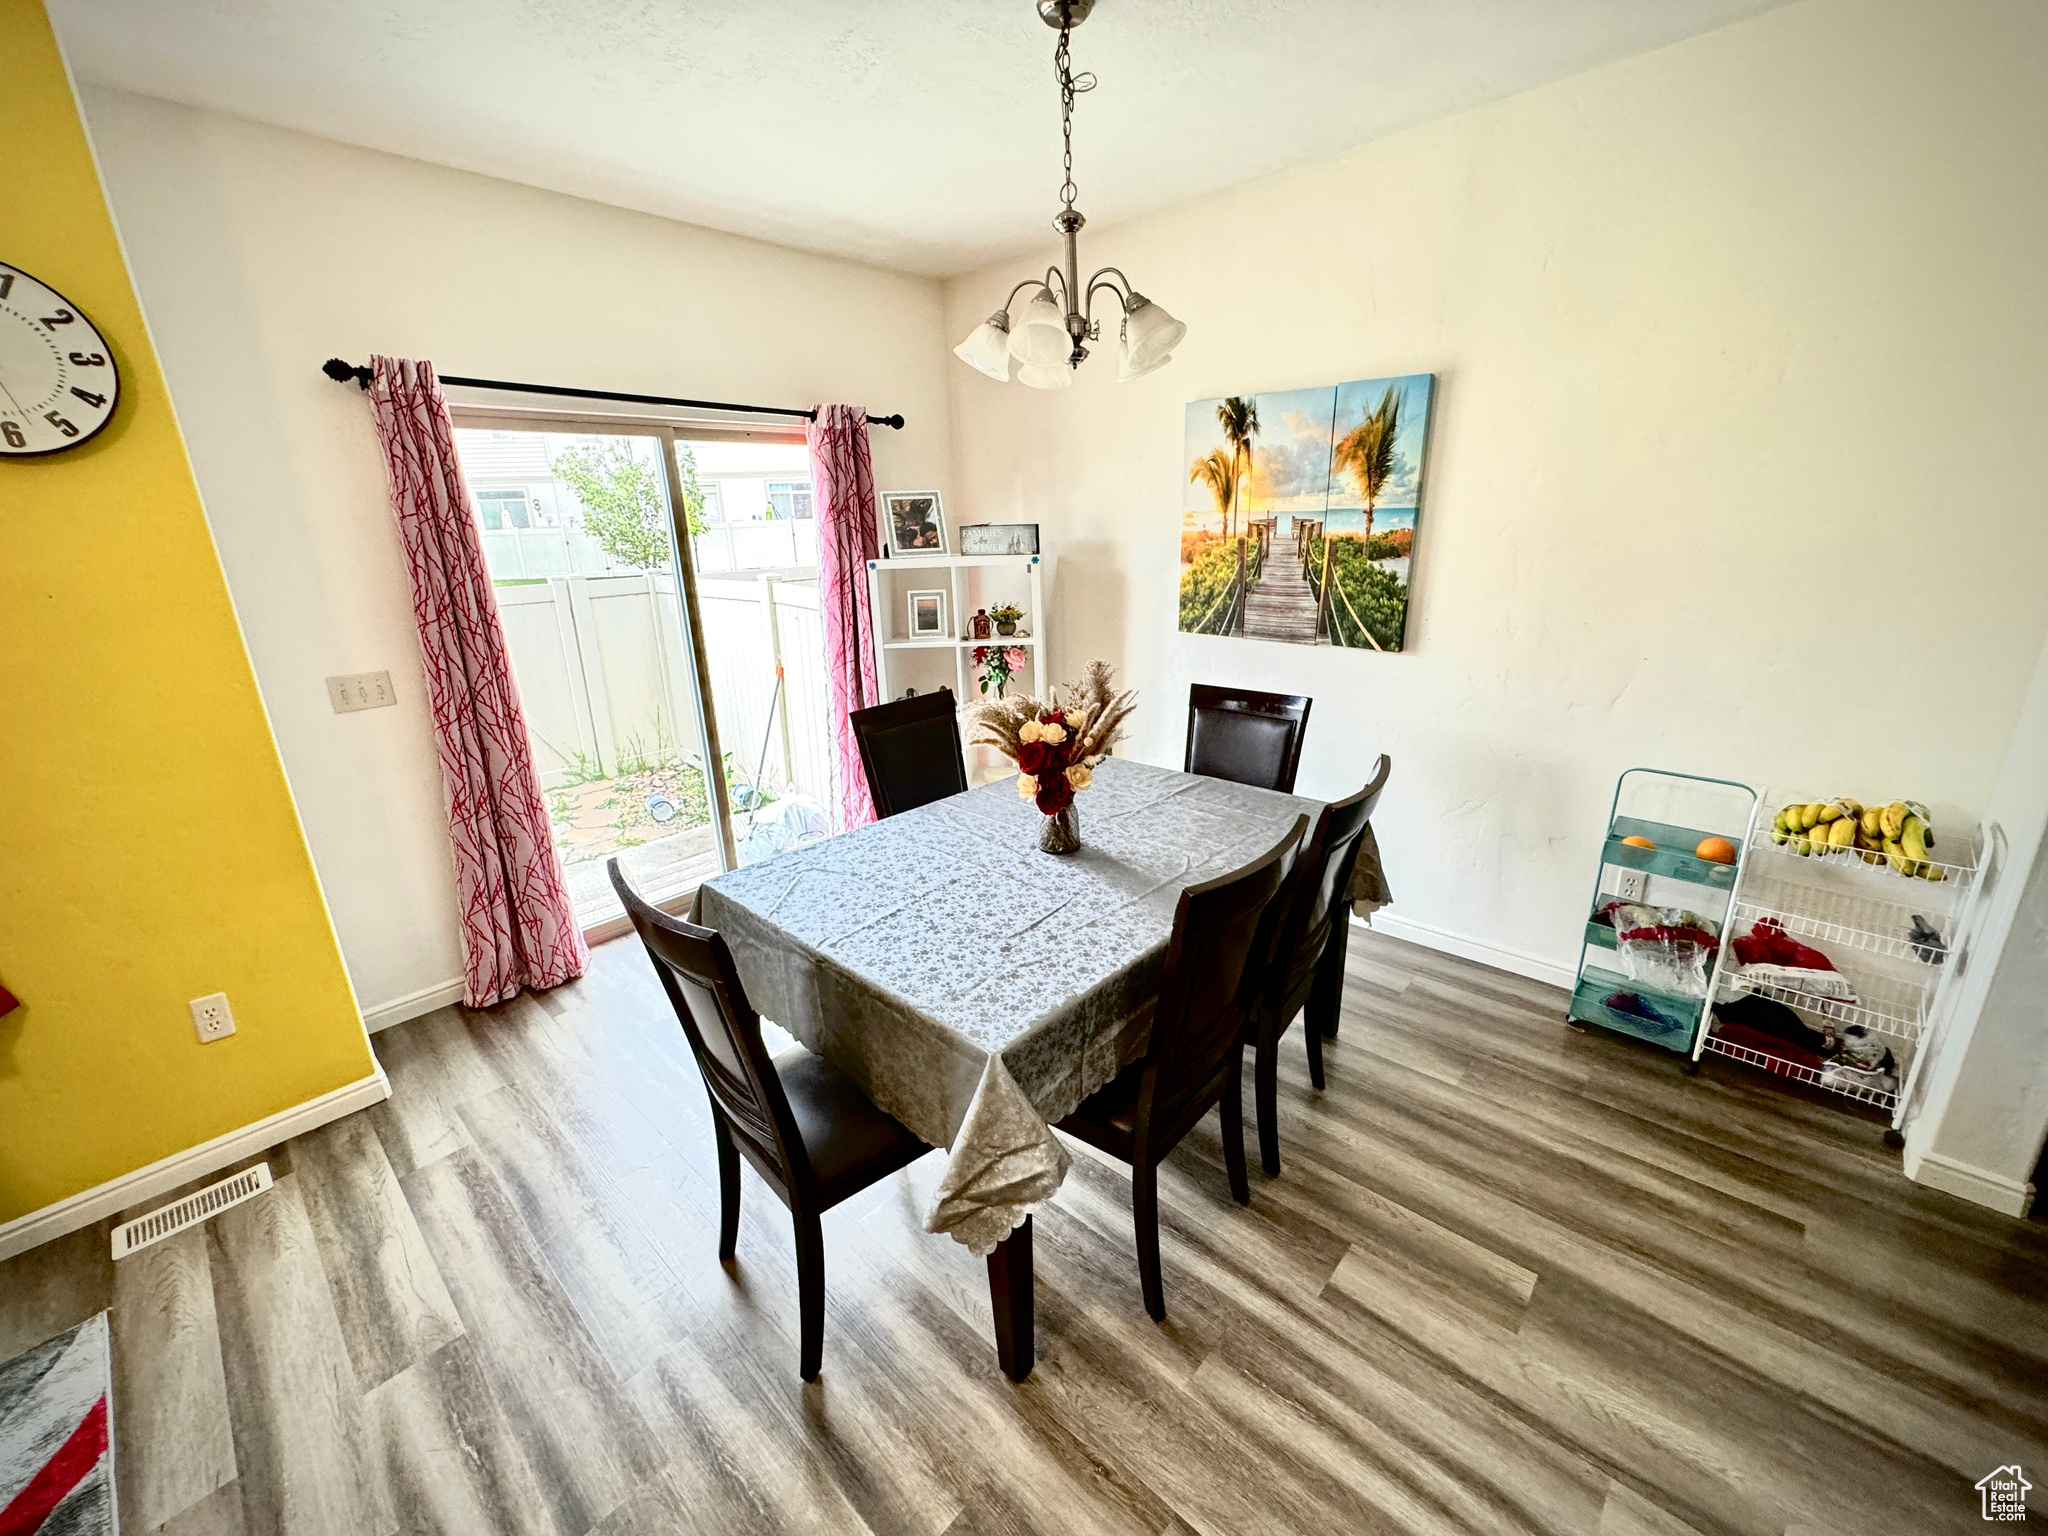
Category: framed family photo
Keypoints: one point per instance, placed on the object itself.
(914, 522)
(928, 616)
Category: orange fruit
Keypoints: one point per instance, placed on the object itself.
(1715, 850)
(1637, 842)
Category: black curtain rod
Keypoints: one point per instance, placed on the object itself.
(342, 372)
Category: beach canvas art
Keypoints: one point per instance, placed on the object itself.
(1299, 517)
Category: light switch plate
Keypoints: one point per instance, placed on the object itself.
(360, 690)
(212, 1017)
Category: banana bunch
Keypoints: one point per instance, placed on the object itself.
(1899, 834)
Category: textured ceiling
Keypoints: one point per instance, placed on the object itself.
(919, 134)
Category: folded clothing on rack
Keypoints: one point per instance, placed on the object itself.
(1632, 1005)
(1665, 947)
(1830, 984)
(1767, 943)
(1851, 1055)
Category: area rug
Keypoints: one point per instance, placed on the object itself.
(56, 1437)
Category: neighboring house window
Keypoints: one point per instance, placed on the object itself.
(713, 510)
(789, 498)
(503, 509)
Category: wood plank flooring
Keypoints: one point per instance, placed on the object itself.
(1513, 1279)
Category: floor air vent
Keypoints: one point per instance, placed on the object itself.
(190, 1211)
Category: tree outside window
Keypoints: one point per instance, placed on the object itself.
(625, 503)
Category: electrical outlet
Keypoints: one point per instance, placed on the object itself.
(1630, 884)
(360, 690)
(212, 1018)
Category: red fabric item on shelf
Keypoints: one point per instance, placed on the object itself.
(1767, 943)
(1669, 933)
(1767, 1045)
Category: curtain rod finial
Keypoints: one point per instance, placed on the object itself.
(895, 421)
(342, 372)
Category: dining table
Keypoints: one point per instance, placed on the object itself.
(979, 989)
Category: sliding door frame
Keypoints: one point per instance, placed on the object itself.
(668, 430)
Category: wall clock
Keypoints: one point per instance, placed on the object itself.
(58, 383)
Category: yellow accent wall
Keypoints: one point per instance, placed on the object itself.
(149, 849)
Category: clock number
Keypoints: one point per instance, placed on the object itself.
(91, 399)
(6, 282)
(87, 360)
(62, 317)
(9, 430)
(60, 423)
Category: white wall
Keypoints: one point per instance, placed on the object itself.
(1736, 459)
(1986, 1099)
(260, 252)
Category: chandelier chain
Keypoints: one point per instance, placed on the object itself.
(1071, 85)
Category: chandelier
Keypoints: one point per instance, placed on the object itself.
(1048, 337)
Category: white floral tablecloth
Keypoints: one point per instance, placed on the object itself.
(977, 988)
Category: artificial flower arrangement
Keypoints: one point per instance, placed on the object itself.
(998, 663)
(1056, 744)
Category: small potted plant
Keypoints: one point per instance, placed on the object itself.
(1006, 616)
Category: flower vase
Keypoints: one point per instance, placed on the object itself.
(1061, 832)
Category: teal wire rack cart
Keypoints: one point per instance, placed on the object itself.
(1675, 812)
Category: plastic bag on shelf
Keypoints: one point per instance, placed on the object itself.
(1668, 948)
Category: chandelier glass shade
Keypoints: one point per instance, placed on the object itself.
(1047, 337)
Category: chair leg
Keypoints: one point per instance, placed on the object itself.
(728, 1190)
(1232, 1110)
(1145, 1214)
(1326, 1001)
(1314, 1037)
(810, 1288)
(1266, 1096)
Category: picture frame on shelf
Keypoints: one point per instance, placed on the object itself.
(915, 524)
(927, 614)
(999, 539)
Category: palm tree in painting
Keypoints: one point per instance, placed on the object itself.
(1367, 450)
(1218, 473)
(1239, 418)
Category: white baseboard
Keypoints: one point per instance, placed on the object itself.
(412, 1005)
(88, 1206)
(1980, 1186)
(1517, 961)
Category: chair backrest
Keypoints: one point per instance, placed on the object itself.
(724, 1031)
(911, 751)
(1216, 964)
(1245, 735)
(1322, 876)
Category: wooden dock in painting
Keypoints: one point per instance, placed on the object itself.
(1281, 605)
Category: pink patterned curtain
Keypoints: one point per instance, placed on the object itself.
(844, 481)
(518, 926)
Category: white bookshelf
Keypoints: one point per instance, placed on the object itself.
(891, 581)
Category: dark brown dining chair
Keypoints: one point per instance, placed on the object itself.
(1307, 974)
(1215, 970)
(805, 1126)
(910, 750)
(1245, 735)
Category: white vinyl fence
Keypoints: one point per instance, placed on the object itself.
(604, 672)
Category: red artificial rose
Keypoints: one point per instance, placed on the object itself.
(1055, 794)
(1034, 757)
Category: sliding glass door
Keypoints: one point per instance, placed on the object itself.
(754, 542)
(676, 718)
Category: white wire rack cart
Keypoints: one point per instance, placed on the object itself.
(1674, 813)
(1857, 910)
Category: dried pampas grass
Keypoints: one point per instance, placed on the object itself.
(999, 722)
